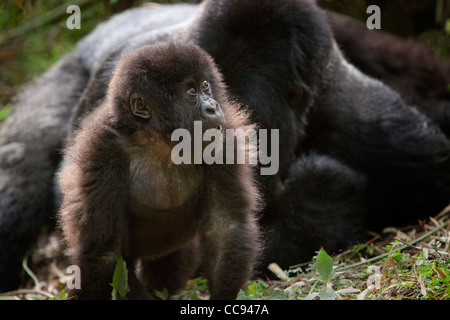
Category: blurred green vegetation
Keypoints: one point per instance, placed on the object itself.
(22, 58)
(438, 40)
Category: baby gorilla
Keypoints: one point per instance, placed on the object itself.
(124, 196)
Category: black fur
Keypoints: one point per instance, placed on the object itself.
(29, 156)
(406, 66)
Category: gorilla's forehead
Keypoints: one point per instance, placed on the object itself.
(174, 62)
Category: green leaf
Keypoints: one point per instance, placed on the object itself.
(242, 296)
(163, 295)
(62, 296)
(327, 293)
(277, 295)
(324, 266)
(120, 280)
(311, 296)
(397, 256)
(4, 112)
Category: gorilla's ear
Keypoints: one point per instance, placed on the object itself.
(139, 106)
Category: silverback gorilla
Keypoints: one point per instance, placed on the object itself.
(353, 155)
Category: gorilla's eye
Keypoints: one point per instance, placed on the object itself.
(139, 107)
(206, 85)
(192, 91)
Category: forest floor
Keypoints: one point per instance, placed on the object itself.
(410, 263)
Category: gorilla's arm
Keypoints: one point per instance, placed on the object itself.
(367, 126)
(93, 217)
(406, 66)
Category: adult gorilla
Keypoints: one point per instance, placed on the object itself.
(352, 155)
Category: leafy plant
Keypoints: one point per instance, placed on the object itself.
(433, 270)
(325, 269)
(120, 281)
(195, 289)
(409, 275)
(163, 295)
(261, 290)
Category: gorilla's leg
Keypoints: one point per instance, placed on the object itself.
(29, 155)
(322, 205)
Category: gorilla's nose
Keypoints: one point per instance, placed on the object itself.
(212, 114)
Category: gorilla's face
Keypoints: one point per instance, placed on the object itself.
(165, 89)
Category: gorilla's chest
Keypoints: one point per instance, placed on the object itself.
(166, 208)
(161, 187)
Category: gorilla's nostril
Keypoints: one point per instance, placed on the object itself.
(210, 110)
(211, 113)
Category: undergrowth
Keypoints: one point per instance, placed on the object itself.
(401, 264)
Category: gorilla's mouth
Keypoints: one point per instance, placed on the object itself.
(218, 127)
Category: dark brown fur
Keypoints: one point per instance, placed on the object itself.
(123, 196)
